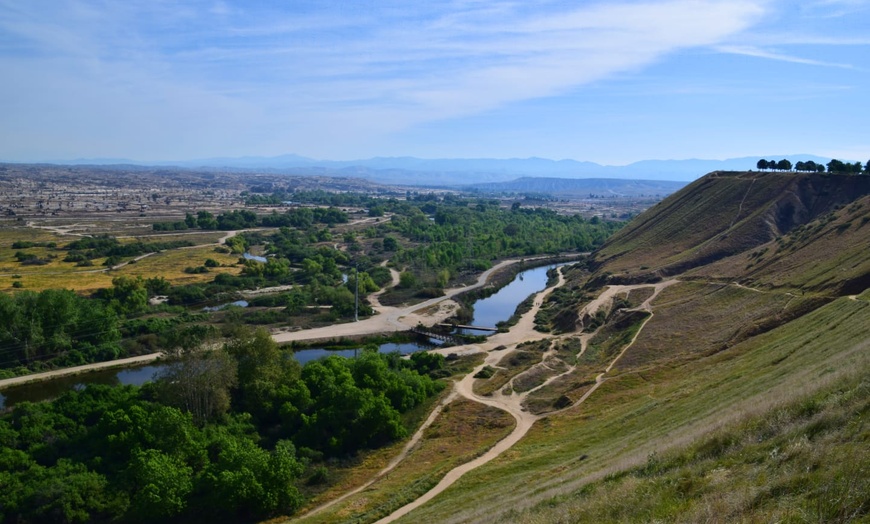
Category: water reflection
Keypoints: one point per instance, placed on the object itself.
(405, 348)
(249, 256)
(50, 389)
(499, 307)
(237, 303)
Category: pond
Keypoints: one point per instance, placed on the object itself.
(499, 307)
(487, 313)
(237, 303)
(249, 256)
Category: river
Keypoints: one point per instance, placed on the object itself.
(487, 313)
(501, 306)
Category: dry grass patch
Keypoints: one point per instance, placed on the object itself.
(696, 318)
(10, 234)
(636, 297)
(170, 265)
(538, 375)
(167, 264)
(512, 364)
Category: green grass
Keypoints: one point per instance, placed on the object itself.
(659, 410)
(807, 460)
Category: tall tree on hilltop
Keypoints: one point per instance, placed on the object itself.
(836, 166)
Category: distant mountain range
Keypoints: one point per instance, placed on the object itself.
(607, 187)
(460, 171)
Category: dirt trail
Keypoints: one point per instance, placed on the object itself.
(61, 230)
(375, 298)
(396, 319)
(512, 402)
(740, 207)
(521, 332)
(394, 462)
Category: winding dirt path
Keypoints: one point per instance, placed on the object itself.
(394, 462)
(391, 319)
(513, 402)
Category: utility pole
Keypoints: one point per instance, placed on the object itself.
(356, 293)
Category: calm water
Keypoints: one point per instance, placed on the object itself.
(137, 376)
(500, 306)
(405, 348)
(50, 389)
(249, 256)
(237, 303)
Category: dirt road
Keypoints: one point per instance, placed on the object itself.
(390, 318)
(37, 377)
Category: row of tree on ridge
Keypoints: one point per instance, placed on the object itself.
(834, 166)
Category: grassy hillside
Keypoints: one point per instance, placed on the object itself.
(671, 410)
(828, 255)
(743, 397)
(721, 215)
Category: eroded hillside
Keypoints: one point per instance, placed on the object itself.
(722, 215)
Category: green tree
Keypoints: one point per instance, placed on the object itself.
(206, 220)
(311, 268)
(247, 481)
(265, 377)
(390, 243)
(366, 284)
(127, 294)
(237, 244)
(407, 280)
(160, 485)
(189, 338)
(66, 492)
(836, 166)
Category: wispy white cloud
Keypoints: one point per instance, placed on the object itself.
(302, 75)
(771, 55)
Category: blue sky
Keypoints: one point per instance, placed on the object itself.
(611, 82)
